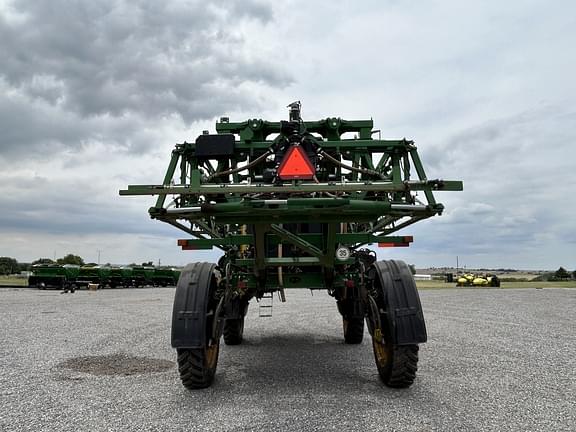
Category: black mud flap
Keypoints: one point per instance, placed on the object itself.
(191, 301)
(403, 311)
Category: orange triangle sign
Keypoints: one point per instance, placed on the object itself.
(296, 165)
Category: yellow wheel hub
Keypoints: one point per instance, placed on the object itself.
(211, 355)
(379, 348)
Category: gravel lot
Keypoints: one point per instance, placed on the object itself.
(496, 360)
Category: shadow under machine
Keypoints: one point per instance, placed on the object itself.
(293, 204)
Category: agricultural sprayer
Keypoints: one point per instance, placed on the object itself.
(293, 204)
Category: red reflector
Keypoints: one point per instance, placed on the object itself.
(393, 244)
(296, 165)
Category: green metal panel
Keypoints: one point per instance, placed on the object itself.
(313, 239)
(367, 186)
(363, 191)
(48, 275)
(48, 270)
(71, 271)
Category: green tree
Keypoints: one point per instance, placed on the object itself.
(8, 266)
(71, 259)
(574, 274)
(147, 264)
(24, 267)
(562, 274)
(43, 261)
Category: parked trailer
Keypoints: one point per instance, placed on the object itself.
(58, 276)
(176, 274)
(142, 276)
(72, 272)
(163, 276)
(93, 275)
(48, 276)
(120, 277)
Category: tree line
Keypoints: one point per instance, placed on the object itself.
(559, 275)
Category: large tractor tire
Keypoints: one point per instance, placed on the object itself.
(353, 330)
(352, 312)
(195, 334)
(233, 331)
(396, 322)
(234, 325)
(397, 364)
(197, 366)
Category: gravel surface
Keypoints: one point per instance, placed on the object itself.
(496, 360)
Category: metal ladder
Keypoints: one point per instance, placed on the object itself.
(265, 308)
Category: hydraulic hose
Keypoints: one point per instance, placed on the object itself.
(235, 170)
(349, 167)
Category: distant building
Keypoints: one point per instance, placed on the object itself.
(422, 277)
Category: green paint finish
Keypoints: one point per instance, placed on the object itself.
(314, 240)
(228, 195)
(332, 187)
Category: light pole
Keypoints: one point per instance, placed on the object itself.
(456, 264)
(99, 250)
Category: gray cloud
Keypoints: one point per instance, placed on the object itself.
(95, 93)
(58, 206)
(71, 70)
(516, 206)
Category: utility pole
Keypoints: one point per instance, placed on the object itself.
(456, 264)
(99, 250)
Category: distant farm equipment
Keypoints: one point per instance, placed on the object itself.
(476, 280)
(55, 276)
(52, 275)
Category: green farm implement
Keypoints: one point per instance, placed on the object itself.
(142, 276)
(163, 277)
(98, 275)
(52, 275)
(120, 277)
(293, 204)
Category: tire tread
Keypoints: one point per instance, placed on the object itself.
(354, 332)
(402, 371)
(193, 373)
(233, 331)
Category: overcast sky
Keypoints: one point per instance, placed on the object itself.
(94, 94)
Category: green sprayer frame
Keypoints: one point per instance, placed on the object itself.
(359, 200)
(300, 227)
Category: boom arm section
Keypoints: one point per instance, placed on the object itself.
(342, 191)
